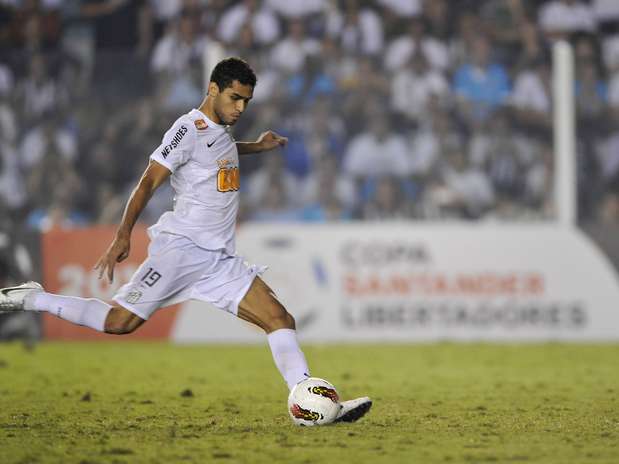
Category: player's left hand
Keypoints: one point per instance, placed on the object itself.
(269, 140)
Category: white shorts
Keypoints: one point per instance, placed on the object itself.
(178, 270)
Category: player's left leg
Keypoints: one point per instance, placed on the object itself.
(32, 297)
(87, 312)
(260, 306)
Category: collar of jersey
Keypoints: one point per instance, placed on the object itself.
(208, 121)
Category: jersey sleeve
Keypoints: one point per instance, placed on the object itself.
(177, 145)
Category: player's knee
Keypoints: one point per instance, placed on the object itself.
(119, 328)
(280, 320)
(119, 321)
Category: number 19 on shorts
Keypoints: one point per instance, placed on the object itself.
(228, 179)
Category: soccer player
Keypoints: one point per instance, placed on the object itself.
(192, 250)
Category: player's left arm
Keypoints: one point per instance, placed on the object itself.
(267, 141)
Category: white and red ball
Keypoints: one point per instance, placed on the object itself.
(313, 401)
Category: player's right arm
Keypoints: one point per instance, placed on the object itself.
(155, 175)
(175, 150)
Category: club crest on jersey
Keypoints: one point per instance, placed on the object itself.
(134, 296)
(200, 124)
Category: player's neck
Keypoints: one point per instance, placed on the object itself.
(209, 111)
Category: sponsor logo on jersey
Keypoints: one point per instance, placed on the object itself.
(165, 151)
(200, 124)
(324, 391)
(213, 141)
(305, 414)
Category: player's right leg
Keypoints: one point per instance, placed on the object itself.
(87, 312)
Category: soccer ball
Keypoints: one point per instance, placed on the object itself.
(313, 401)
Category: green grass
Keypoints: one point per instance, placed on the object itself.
(445, 403)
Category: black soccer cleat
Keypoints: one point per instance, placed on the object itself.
(353, 410)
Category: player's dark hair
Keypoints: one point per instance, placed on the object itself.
(233, 69)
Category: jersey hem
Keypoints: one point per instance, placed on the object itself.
(130, 308)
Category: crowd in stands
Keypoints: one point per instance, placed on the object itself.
(394, 109)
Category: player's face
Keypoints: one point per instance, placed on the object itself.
(230, 104)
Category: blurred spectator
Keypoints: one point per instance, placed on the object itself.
(60, 213)
(78, 37)
(404, 8)
(503, 20)
(414, 86)
(274, 206)
(12, 191)
(180, 45)
(496, 136)
(608, 210)
(312, 82)
(166, 10)
(507, 174)
(460, 46)
(329, 197)
(328, 187)
(481, 85)
(56, 175)
(35, 26)
(436, 137)
(118, 23)
(45, 137)
(297, 9)
(377, 151)
(559, 17)
(532, 46)
(270, 85)
(613, 92)
(401, 49)
(436, 13)
(39, 92)
(272, 172)
(8, 119)
(51, 171)
(605, 10)
(532, 95)
(386, 200)
(324, 133)
(184, 90)
(608, 158)
(591, 95)
(290, 53)
(253, 15)
(365, 90)
(360, 30)
(610, 50)
(539, 184)
(471, 193)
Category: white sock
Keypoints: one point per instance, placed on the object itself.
(81, 311)
(288, 357)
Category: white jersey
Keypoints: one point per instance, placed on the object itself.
(204, 162)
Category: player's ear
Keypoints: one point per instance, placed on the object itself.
(213, 89)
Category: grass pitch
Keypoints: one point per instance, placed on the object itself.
(445, 403)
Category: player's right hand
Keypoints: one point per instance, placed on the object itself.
(117, 252)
